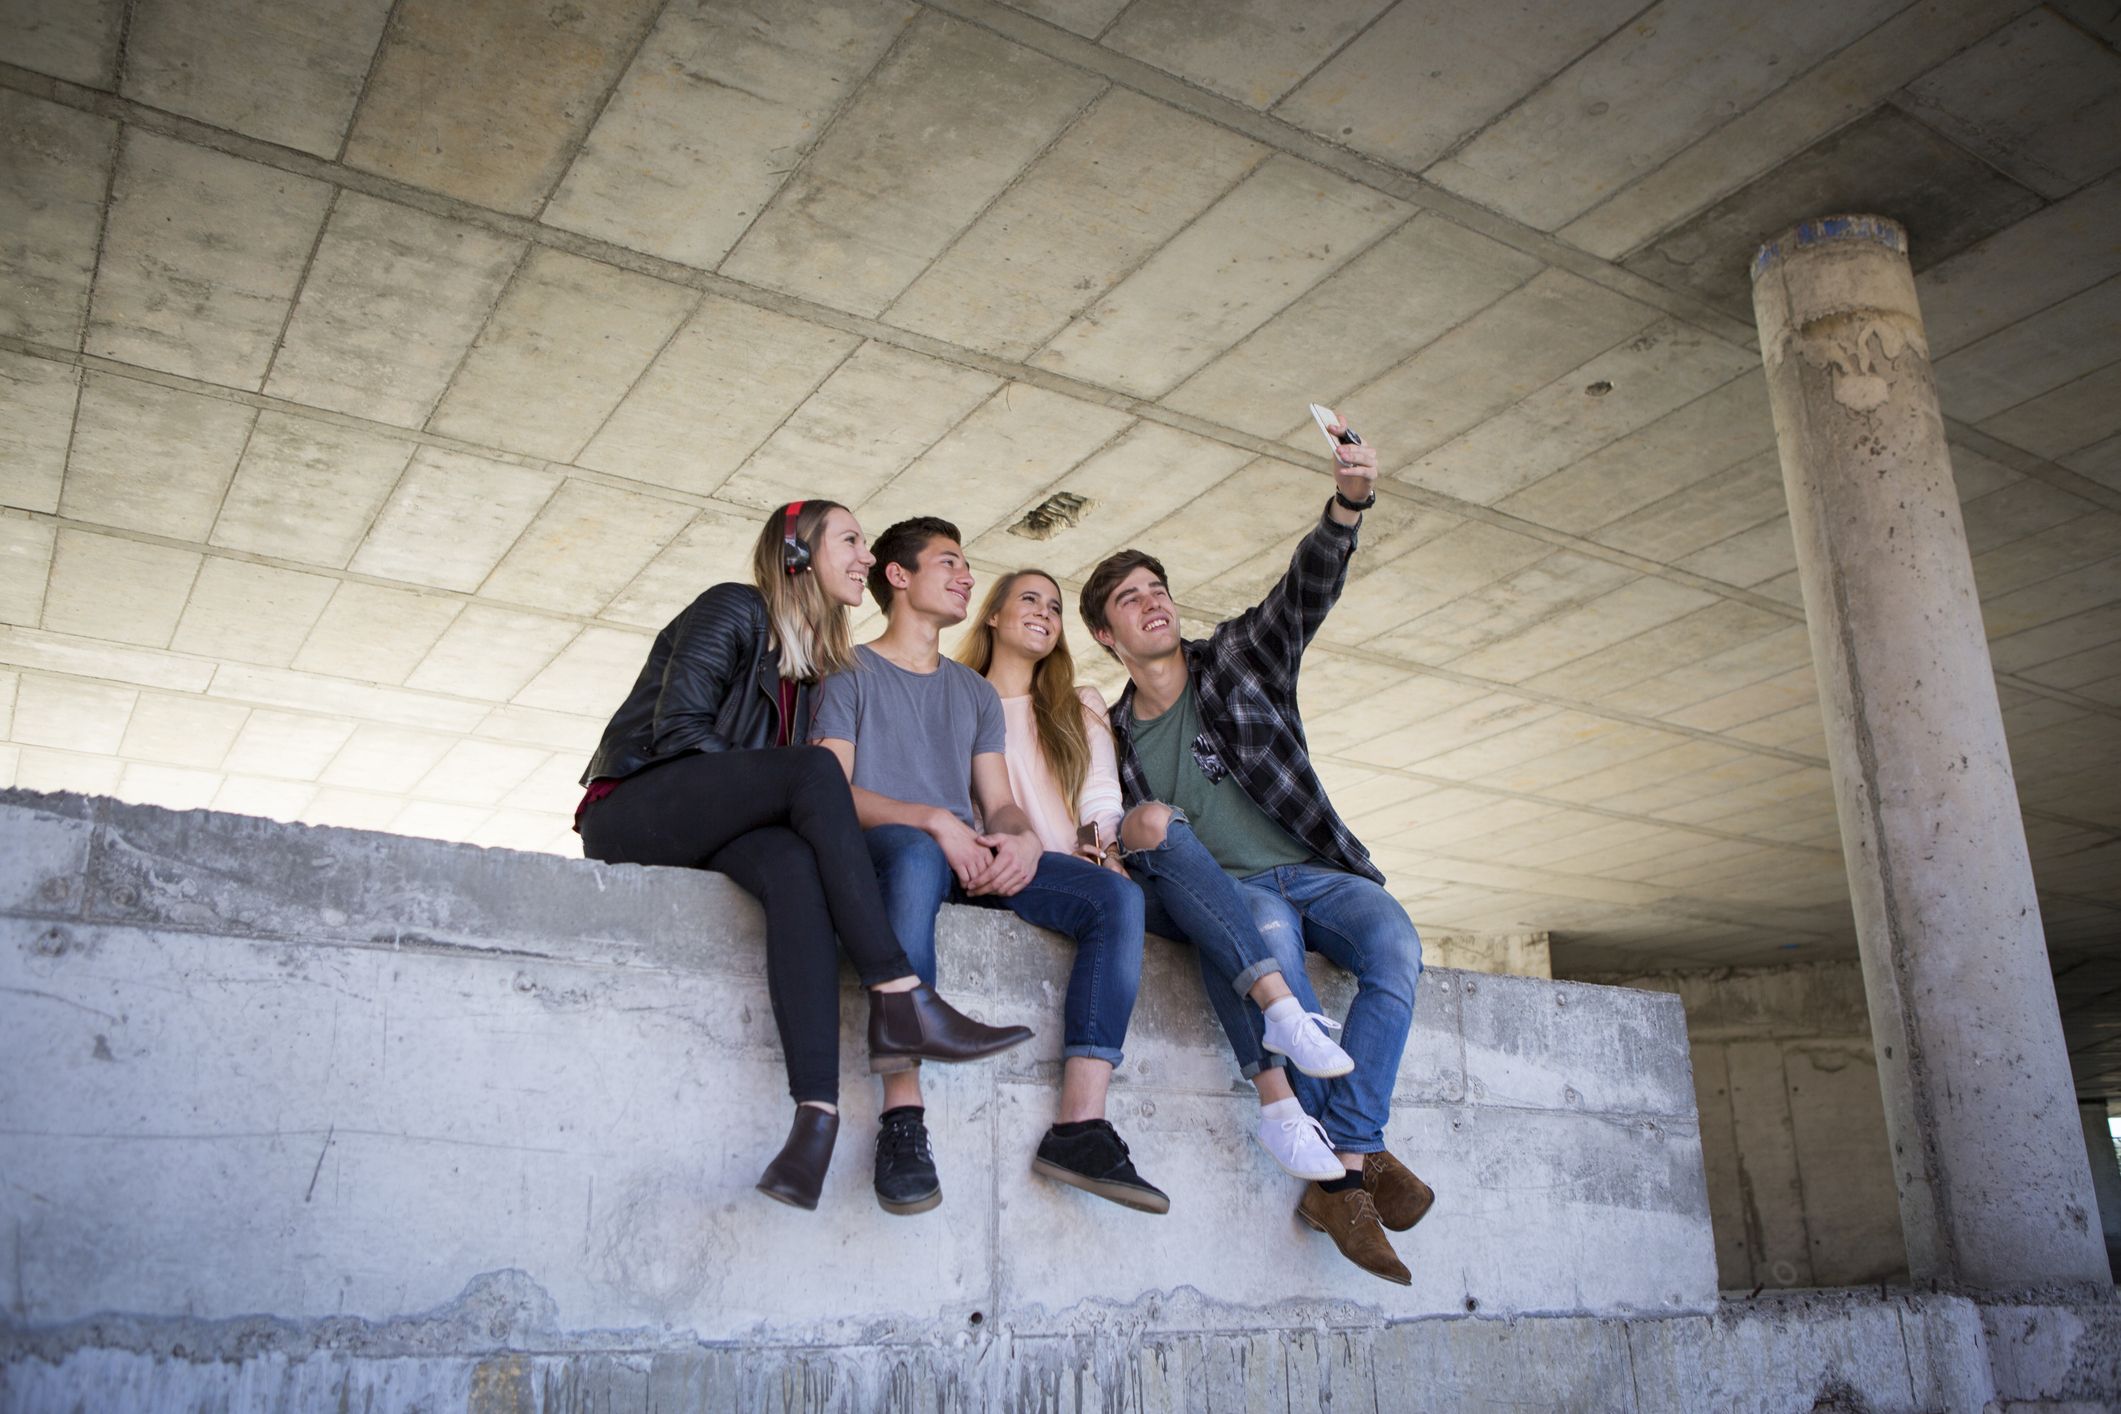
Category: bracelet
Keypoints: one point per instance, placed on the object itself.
(1362, 505)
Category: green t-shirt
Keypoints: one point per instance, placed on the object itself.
(1243, 838)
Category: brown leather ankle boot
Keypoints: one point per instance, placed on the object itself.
(797, 1173)
(919, 1025)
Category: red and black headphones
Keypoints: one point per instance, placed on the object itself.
(795, 555)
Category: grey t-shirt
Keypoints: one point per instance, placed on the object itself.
(914, 734)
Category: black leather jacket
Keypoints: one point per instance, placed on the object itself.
(712, 683)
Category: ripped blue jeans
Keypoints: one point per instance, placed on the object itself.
(1245, 929)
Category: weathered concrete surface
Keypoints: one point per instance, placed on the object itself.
(1988, 1154)
(313, 1072)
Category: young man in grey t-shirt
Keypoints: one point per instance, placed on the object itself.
(921, 739)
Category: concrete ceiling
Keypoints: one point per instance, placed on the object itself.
(378, 377)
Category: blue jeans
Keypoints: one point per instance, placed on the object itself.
(1344, 917)
(1096, 908)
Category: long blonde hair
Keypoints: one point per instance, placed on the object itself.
(805, 624)
(1055, 708)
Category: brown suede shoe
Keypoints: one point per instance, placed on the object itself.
(907, 1027)
(1350, 1219)
(1402, 1199)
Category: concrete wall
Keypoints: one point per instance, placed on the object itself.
(1792, 1125)
(253, 1067)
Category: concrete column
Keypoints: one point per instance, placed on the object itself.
(1979, 1105)
(2106, 1177)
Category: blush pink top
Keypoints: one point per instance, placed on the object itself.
(1032, 781)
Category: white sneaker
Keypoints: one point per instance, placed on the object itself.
(1299, 1145)
(1301, 1036)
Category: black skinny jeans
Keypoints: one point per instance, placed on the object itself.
(781, 824)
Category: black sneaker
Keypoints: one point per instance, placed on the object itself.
(905, 1165)
(1096, 1161)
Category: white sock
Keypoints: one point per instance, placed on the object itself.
(1280, 1110)
(1285, 1011)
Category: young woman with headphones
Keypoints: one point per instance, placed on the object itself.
(703, 766)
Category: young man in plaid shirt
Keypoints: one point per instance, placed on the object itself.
(1210, 728)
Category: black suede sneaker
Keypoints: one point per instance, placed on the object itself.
(1094, 1158)
(905, 1165)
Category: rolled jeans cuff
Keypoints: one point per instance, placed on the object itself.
(1251, 1069)
(1104, 1053)
(1245, 981)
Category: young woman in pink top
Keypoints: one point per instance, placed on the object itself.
(1064, 773)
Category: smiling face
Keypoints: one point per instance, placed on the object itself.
(840, 557)
(1028, 620)
(939, 586)
(1141, 622)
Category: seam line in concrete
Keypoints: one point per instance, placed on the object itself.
(471, 345)
(699, 300)
(2032, 464)
(618, 81)
(368, 78)
(294, 299)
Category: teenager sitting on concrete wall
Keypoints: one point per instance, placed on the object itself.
(1066, 777)
(922, 738)
(703, 766)
(1210, 727)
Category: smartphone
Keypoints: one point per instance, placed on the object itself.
(1326, 417)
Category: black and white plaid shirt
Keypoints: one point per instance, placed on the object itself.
(1244, 683)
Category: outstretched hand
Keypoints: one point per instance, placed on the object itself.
(1355, 467)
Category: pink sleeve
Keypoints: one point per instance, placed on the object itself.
(1102, 803)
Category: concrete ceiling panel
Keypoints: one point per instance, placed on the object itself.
(1751, 556)
(585, 546)
(1886, 163)
(195, 443)
(1674, 762)
(451, 519)
(1489, 714)
(1598, 126)
(54, 166)
(487, 101)
(565, 732)
(2101, 461)
(720, 104)
(1088, 18)
(1142, 477)
(182, 731)
(1702, 514)
(1612, 618)
(2079, 671)
(1495, 611)
(1685, 683)
(2017, 510)
(1505, 353)
(201, 258)
(2039, 98)
(171, 787)
(433, 820)
(1263, 503)
(1717, 430)
(286, 745)
(714, 547)
(2048, 576)
(373, 634)
(1390, 528)
(556, 785)
(313, 692)
(1456, 563)
(1749, 703)
(1251, 255)
(490, 653)
(250, 613)
(945, 123)
(2077, 414)
(729, 376)
(563, 347)
(308, 490)
(1253, 51)
(381, 758)
(270, 800)
(1717, 628)
(76, 40)
(287, 73)
(37, 399)
(72, 715)
(1660, 370)
(1125, 178)
(880, 409)
(351, 809)
(105, 586)
(1503, 751)
(1825, 97)
(25, 569)
(999, 459)
(478, 772)
(1425, 76)
(2019, 271)
(1616, 744)
(393, 300)
(1383, 307)
(62, 653)
(67, 770)
(590, 677)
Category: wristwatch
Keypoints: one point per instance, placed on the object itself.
(1364, 504)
